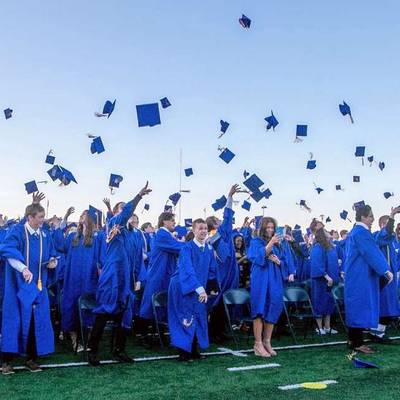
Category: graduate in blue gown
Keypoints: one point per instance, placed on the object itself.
(324, 274)
(221, 239)
(81, 273)
(164, 256)
(266, 285)
(114, 291)
(148, 232)
(364, 266)
(389, 298)
(187, 295)
(26, 324)
(341, 252)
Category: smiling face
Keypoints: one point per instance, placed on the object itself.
(170, 224)
(36, 221)
(368, 220)
(200, 231)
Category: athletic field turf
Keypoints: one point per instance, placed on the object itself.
(210, 379)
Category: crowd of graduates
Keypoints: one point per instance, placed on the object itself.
(123, 264)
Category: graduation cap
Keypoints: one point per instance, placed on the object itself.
(311, 164)
(165, 102)
(175, 198)
(8, 113)
(356, 179)
(50, 159)
(297, 227)
(381, 165)
(370, 159)
(146, 207)
(108, 109)
(328, 219)
(246, 205)
(301, 131)
(167, 208)
(386, 195)
(189, 171)
(303, 205)
(115, 180)
(181, 231)
(224, 128)
(219, 203)
(272, 122)
(66, 176)
(257, 195)
(245, 22)
(95, 214)
(358, 205)
(344, 215)
(245, 174)
(357, 363)
(253, 183)
(148, 114)
(338, 187)
(267, 193)
(345, 110)
(55, 172)
(97, 145)
(318, 189)
(226, 155)
(360, 152)
(297, 234)
(31, 187)
(188, 222)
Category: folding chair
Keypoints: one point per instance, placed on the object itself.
(298, 306)
(237, 297)
(338, 295)
(159, 302)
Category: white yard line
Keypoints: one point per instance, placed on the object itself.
(299, 385)
(250, 367)
(233, 352)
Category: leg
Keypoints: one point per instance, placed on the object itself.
(121, 334)
(268, 329)
(6, 368)
(356, 342)
(31, 348)
(259, 349)
(319, 323)
(97, 332)
(217, 322)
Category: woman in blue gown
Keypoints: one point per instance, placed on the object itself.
(324, 275)
(266, 285)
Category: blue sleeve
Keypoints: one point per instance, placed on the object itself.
(371, 253)
(12, 246)
(256, 253)
(187, 275)
(166, 242)
(318, 261)
(288, 257)
(212, 272)
(122, 218)
(246, 232)
(383, 237)
(225, 229)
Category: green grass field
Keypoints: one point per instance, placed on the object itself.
(210, 379)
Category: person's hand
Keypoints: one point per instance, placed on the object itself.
(394, 211)
(291, 278)
(2, 221)
(389, 276)
(234, 189)
(137, 286)
(342, 275)
(274, 259)
(69, 212)
(214, 293)
(252, 221)
(145, 191)
(52, 263)
(203, 297)
(246, 222)
(28, 276)
(107, 203)
(329, 280)
(37, 197)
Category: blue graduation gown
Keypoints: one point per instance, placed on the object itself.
(187, 317)
(289, 267)
(22, 300)
(365, 263)
(80, 278)
(227, 267)
(164, 255)
(114, 292)
(323, 262)
(389, 298)
(303, 272)
(266, 282)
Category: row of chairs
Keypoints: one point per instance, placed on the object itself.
(297, 308)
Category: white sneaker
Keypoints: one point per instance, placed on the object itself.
(320, 331)
(80, 348)
(331, 331)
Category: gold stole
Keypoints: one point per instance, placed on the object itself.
(39, 284)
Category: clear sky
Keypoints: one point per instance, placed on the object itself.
(62, 60)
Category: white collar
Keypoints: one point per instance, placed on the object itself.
(165, 229)
(31, 230)
(198, 244)
(363, 225)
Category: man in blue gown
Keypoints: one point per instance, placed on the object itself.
(26, 323)
(364, 266)
(187, 295)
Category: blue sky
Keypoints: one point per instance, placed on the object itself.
(62, 60)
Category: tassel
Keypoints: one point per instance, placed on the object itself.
(39, 285)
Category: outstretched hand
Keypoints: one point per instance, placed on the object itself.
(234, 189)
(146, 190)
(70, 211)
(107, 203)
(37, 197)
